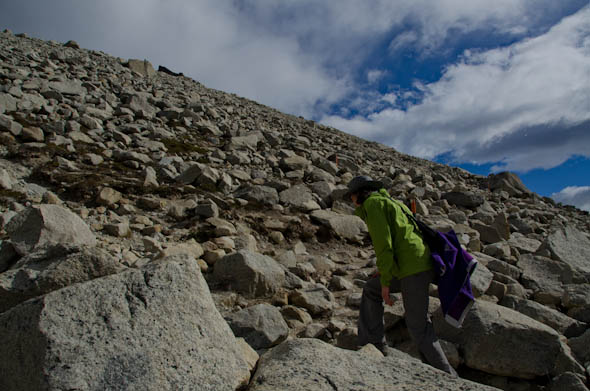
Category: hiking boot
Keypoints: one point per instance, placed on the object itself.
(383, 348)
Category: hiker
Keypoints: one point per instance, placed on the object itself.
(404, 265)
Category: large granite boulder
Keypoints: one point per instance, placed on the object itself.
(52, 268)
(349, 227)
(508, 182)
(299, 197)
(261, 325)
(316, 299)
(313, 365)
(151, 329)
(45, 225)
(571, 246)
(500, 341)
(545, 277)
(558, 321)
(251, 274)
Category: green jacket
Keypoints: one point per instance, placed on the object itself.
(399, 249)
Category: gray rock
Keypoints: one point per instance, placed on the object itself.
(7, 124)
(7, 181)
(523, 244)
(481, 279)
(252, 274)
(570, 246)
(567, 382)
(294, 163)
(108, 196)
(144, 67)
(339, 283)
(261, 325)
(504, 268)
(7, 103)
(317, 299)
(544, 276)
(8, 255)
(487, 233)
(68, 87)
(46, 225)
(508, 182)
(299, 197)
(552, 318)
(500, 341)
(576, 295)
(150, 329)
(580, 345)
(53, 268)
(468, 199)
(249, 141)
(259, 195)
(314, 365)
(348, 227)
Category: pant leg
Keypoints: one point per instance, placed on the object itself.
(415, 296)
(370, 323)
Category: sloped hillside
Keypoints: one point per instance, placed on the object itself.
(158, 234)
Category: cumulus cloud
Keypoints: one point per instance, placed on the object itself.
(525, 105)
(578, 196)
(374, 75)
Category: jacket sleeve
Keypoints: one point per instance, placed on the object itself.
(381, 237)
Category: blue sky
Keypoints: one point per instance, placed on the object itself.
(484, 85)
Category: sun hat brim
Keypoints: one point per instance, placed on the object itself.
(368, 185)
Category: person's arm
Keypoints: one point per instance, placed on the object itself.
(381, 237)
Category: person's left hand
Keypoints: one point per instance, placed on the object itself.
(385, 295)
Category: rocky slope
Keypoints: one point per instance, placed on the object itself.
(157, 234)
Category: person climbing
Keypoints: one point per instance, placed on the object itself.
(404, 265)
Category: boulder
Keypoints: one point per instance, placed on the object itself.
(580, 345)
(45, 225)
(7, 103)
(249, 273)
(299, 197)
(144, 67)
(561, 323)
(68, 87)
(508, 182)
(567, 382)
(258, 195)
(487, 233)
(293, 163)
(348, 227)
(316, 299)
(523, 244)
(313, 365)
(481, 279)
(466, 199)
(55, 267)
(261, 325)
(544, 276)
(151, 329)
(500, 341)
(571, 246)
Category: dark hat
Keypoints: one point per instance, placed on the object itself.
(361, 183)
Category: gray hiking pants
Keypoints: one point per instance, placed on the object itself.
(414, 291)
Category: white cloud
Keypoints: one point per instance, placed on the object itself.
(374, 75)
(402, 41)
(526, 105)
(578, 196)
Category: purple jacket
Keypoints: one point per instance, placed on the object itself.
(453, 267)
